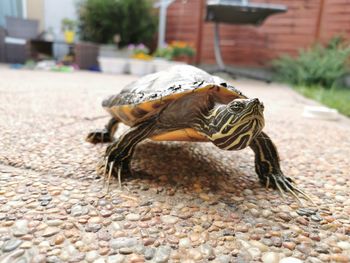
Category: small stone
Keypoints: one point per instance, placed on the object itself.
(242, 228)
(11, 245)
(305, 211)
(224, 259)
(117, 217)
(20, 228)
(276, 241)
(116, 259)
(340, 258)
(116, 226)
(136, 259)
(270, 257)
(39, 259)
(162, 254)
(133, 217)
(285, 216)
(106, 213)
(290, 260)
(289, 245)
(14, 256)
(195, 254)
(173, 240)
(322, 248)
(26, 244)
(78, 210)
(103, 251)
(266, 213)
(259, 245)
(303, 248)
(168, 219)
(149, 253)
(50, 231)
(207, 251)
(302, 220)
(184, 242)
(59, 239)
(314, 260)
(315, 237)
(248, 192)
(93, 227)
(125, 250)
(316, 218)
(344, 245)
(123, 242)
(148, 241)
(91, 256)
(254, 252)
(54, 222)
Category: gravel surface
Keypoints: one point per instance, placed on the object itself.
(187, 202)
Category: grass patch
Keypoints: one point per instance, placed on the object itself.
(338, 98)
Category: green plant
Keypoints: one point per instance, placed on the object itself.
(175, 50)
(180, 48)
(337, 98)
(101, 20)
(319, 65)
(68, 24)
(164, 52)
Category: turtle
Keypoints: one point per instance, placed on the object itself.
(185, 103)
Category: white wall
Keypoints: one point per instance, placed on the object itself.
(55, 11)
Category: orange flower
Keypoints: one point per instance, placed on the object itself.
(142, 56)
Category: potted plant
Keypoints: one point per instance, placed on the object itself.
(141, 62)
(182, 51)
(113, 59)
(68, 29)
(162, 58)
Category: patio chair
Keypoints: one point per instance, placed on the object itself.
(15, 42)
(239, 12)
(2, 44)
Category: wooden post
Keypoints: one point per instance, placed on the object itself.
(199, 32)
(319, 21)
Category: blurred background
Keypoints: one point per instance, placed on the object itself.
(302, 42)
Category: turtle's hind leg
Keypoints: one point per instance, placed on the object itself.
(103, 135)
(267, 166)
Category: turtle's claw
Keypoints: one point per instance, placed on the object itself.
(109, 167)
(285, 184)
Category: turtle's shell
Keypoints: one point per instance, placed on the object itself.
(144, 97)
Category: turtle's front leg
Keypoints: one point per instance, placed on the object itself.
(104, 135)
(118, 155)
(267, 166)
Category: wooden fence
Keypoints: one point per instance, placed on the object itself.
(305, 22)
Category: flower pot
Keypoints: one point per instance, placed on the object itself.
(140, 67)
(113, 65)
(161, 64)
(184, 59)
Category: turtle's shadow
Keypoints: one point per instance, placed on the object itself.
(181, 164)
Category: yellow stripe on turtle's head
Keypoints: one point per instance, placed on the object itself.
(236, 124)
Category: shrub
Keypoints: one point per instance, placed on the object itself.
(320, 65)
(101, 20)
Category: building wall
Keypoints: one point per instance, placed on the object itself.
(56, 11)
(305, 22)
(35, 10)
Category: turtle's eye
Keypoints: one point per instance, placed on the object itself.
(236, 107)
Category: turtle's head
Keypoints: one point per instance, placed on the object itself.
(237, 123)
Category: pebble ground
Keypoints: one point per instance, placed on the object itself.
(187, 202)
